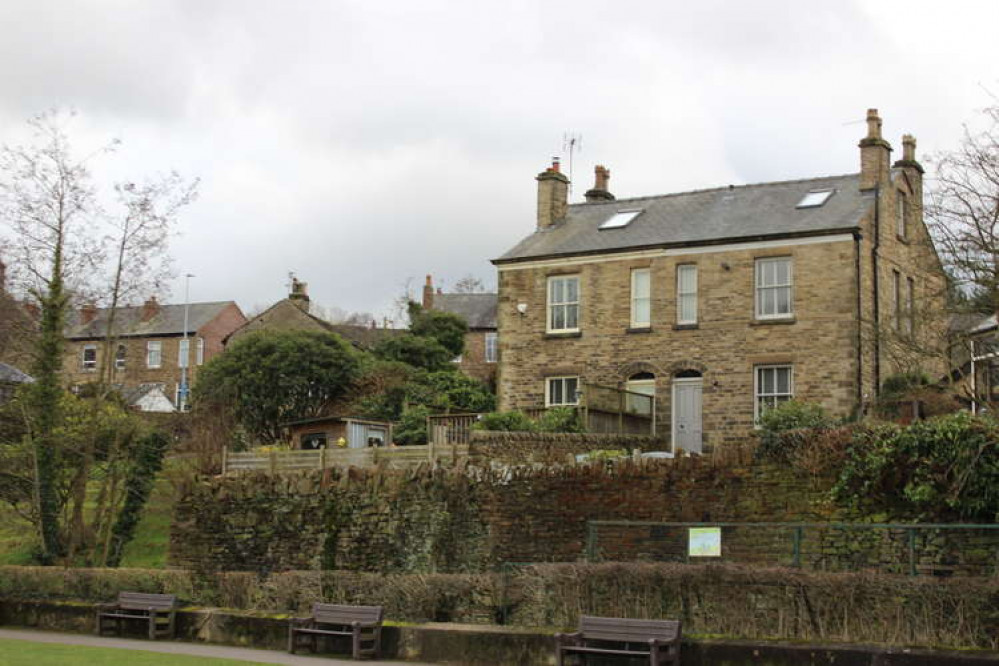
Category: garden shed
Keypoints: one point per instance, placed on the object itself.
(324, 432)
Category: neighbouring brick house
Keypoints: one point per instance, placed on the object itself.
(149, 345)
(721, 302)
(481, 343)
(292, 314)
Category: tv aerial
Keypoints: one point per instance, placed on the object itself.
(572, 142)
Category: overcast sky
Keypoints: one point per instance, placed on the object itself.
(364, 144)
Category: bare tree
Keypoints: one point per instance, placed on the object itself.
(140, 263)
(469, 285)
(964, 211)
(48, 201)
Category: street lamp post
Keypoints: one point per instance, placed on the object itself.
(186, 344)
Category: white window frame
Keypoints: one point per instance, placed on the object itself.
(567, 400)
(154, 347)
(756, 386)
(681, 295)
(199, 353)
(896, 298)
(637, 298)
(120, 360)
(910, 305)
(901, 213)
(759, 288)
(492, 347)
(184, 353)
(88, 366)
(566, 305)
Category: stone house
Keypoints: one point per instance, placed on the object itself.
(293, 314)
(720, 303)
(481, 353)
(10, 379)
(150, 349)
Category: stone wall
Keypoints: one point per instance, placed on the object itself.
(473, 519)
(461, 519)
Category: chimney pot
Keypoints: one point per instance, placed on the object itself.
(428, 294)
(553, 196)
(150, 309)
(875, 154)
(599, 191)
(299, 294)
(88, 312)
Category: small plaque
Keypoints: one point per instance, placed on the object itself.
(704, 542)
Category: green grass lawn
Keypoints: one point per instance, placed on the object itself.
(148, 550)
(27, 653)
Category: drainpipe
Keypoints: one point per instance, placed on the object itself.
(857, 240)
(877, 290)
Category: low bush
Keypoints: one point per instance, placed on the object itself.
(788, 427)
(942, 468)
(557, 419)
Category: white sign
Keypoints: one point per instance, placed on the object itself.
(704, 542)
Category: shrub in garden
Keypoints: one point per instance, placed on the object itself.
(789, 426)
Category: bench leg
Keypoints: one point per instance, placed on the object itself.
(291, 640)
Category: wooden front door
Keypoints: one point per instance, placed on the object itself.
(687, 414)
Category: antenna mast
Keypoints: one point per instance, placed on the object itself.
(571, 142)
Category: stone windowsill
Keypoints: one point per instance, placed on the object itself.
(639, 329)
(783, 321)
(685, 327)
(567, 334)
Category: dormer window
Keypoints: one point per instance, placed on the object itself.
(622, 218)
(815, 198)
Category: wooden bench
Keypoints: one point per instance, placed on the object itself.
(659, 640)
(156, 610)
(362, 623)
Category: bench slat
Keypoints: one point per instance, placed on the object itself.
(143, 601)
(628, 630)
(341, 614)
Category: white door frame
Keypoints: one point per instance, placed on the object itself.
(680, 381)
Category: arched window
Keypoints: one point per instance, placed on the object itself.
(643, 383)
(687, 374)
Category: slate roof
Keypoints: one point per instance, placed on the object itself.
(479, 310)
(736, 213)
(128, 321)
(11, 375)
(361, 337)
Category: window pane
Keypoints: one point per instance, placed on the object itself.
(571, 290)
(783, 271)
(642, 311)
(766, 381)
(640, 283)
(556, 391)
(555, 289)
(783, 296)
(572, 316)
(687, 279)
(688, 308)
(783, 380)
(767, 302)
(571, 385)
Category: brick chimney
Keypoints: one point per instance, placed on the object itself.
(875, 154)
(553, 196)
(88, 312)
(150, 309)
(600, 191)
(299, 294)
(428, 294)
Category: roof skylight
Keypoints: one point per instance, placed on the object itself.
(622, 218)
(815, 198)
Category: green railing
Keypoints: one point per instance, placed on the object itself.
(942, 549)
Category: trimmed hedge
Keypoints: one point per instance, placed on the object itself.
(743, 602)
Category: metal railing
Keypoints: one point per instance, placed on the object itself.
(940, 549)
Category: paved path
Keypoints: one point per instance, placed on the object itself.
(192, 649)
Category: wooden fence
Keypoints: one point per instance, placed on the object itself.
(398, 457)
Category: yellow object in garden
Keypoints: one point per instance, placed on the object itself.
(341, 443)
